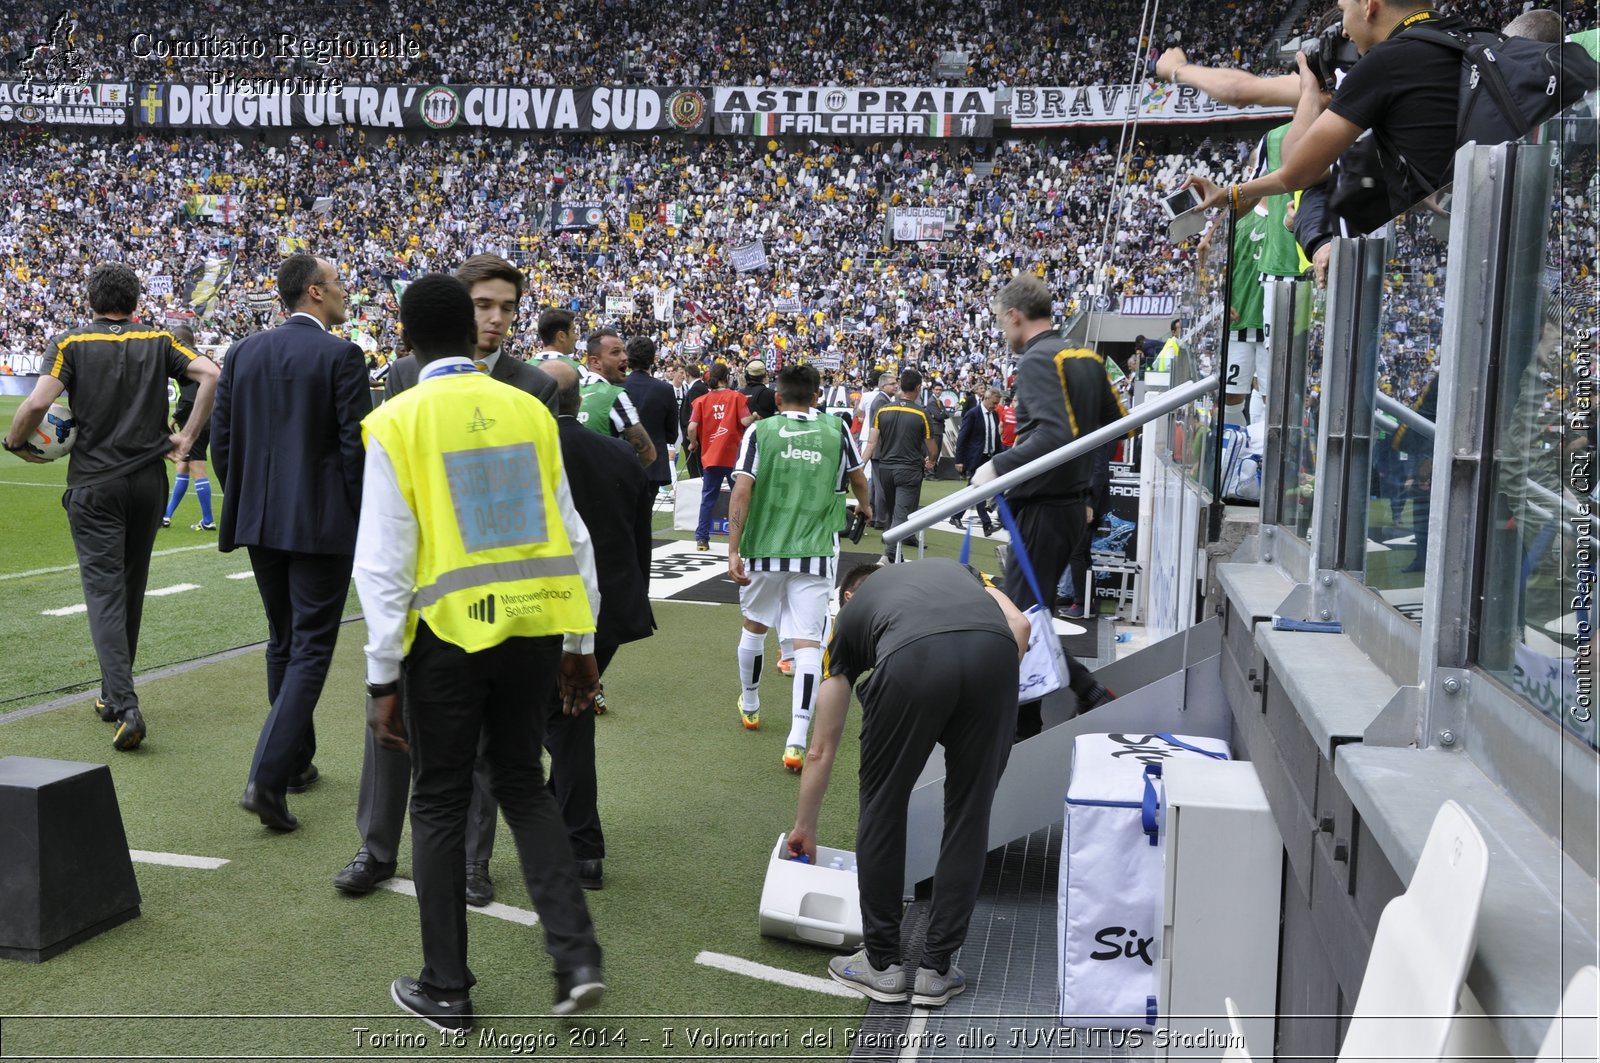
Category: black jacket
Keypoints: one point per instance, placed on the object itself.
(1049, 417)
(610, 494)
(521, 375)
(658, 412)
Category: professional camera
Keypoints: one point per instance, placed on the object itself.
(1327, 51)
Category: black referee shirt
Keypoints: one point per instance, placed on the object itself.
(115, 373)
(903, 434)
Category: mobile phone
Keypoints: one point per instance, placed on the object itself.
(1180, 203)
(855, 526)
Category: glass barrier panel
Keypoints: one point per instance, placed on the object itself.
(1536, 618)
(1201, 313)
(1400, 476)
(1303, 403)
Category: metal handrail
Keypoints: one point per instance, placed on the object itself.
(1405, 415)
(1142, 414)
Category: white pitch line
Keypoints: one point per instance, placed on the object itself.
(687, 601)
(406, 887)
(203, 863)
(913, 1034)
(68, 611)
(176, 588)
(751, 969)
(246, 574)
(25, 483)
(72, 568)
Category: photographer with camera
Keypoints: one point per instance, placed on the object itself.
(1404, 89)
(785, 514)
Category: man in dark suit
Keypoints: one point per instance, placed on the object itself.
(492, 281)
(697, 387)
(658, 412)
(611, 494)
(286, 445)
(977, 442)
(495, 287)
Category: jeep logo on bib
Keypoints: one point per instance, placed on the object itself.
(812, 456)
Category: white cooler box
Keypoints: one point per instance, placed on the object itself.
(813, 903)
(1109, 918)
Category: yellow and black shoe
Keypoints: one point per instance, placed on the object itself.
(106, 712)
(130, 731)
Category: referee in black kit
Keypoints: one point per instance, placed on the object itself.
(116, 372)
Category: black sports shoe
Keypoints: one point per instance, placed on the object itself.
(106, 712)
(1095, 697)
(579, 990)
(445, 1015)
(130, 731)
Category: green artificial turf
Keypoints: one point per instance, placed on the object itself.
(224, 963)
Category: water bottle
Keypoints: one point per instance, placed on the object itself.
(837, 864)
(802, 859)
(1124, 636)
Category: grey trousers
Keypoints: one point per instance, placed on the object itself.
(958, 690)
(114, 527)
(902, 492)
(386, 789)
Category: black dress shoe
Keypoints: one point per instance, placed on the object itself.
(299, 784)
(579, 990)
(362, 874)
(446, 1015)
(590, 876)
(271, 808)
(480, 887)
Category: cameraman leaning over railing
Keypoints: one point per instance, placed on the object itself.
(1406, 89)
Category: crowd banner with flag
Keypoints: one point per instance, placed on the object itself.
(96, 103)
(749, 257)
(159, 284)
(663, 306)
(206, 283)
(673, 214)
(832, 110)
(1150, 101)
(787, 304)
(620, 305)
(697, 311)
(576, 217)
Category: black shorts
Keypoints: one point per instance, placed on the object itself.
(201, 441)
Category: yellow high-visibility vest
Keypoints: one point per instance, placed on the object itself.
(478, 461)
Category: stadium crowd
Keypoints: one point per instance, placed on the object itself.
(387, 211)
(884, 42)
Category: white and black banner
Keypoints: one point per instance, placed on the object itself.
(96, 103)
(849, 112)
(595, 109)
(576, 217)
(1149, 101)
(919, 223)
(749, 257)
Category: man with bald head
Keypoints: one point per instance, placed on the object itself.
(286, 447)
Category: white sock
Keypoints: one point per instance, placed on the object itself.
(786, 649)
(751, 646)
(807, 680)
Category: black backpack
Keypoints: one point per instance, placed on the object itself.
(1509, 85)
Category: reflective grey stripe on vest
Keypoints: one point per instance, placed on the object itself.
(463, 579)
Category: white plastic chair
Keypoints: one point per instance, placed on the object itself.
(1422, 949)
(1238, 1049)
(1574, 1036)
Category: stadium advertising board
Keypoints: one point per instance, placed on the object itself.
(1150, 101)
(511, 108)
(86, 104)
(835, 111)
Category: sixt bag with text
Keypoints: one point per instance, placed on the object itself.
(1108, 917)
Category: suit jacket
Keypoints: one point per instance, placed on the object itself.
(521, 375)
(611, 494)
(969, 440)
(686, 407)
(286, 440)
(658, 412)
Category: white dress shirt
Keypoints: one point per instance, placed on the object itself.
(387, 545)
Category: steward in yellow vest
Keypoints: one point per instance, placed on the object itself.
(474, 568)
